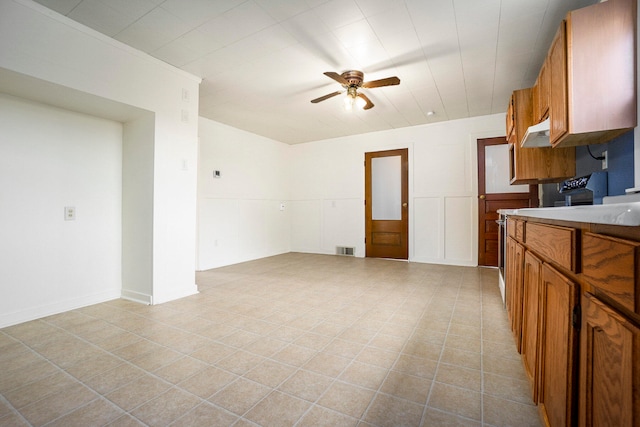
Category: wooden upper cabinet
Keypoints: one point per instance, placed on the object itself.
(593, 74)
(535, 165)
(511, 121)
(541, 94)
(519, 115)
(559, 125)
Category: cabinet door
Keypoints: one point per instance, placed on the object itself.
(541, 95)
(601, 70)
(509, 268)
(513, 288)
(609, 367)
(511, 137)
(543, 91)
(558, 345)
(558, 108)
(531, 319)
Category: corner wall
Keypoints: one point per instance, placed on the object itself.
(49, 159)
(39, 43)
(240, 213)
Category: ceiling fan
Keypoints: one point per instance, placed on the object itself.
(352, 80)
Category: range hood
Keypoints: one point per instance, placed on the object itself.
(537, 135)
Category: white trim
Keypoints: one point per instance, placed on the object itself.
(175, 294)
(136, 297)
(33, 313)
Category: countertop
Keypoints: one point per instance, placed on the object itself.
(615, 214)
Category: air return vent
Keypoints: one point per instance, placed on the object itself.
(345, 250)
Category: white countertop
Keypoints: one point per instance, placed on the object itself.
(614, 214)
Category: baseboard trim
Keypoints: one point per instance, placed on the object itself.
(44, 310)
(136, 297)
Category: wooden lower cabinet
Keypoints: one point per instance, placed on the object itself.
(573, 301)
(609, 367)
(558, 347)
(531, 319)
(513, 288)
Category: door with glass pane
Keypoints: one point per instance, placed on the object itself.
(495, 192)
(386, 204)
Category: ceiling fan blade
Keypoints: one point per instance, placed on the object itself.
(369, 103)
(322, 98)
(337, 77)
(389, 81)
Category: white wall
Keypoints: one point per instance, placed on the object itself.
(323, 185)
(239, 213)
(39, 43)
(137, 208)
(52, 158)
(327, 189)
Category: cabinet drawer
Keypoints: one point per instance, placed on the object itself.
(511, 228)
(558, 244)
(515, 229)
(520, 231)
(611, 265)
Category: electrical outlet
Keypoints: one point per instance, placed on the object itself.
(69, 213)
(605, 161)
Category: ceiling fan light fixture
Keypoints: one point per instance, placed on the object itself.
(352, 99)
(348, 102)
(360, 103)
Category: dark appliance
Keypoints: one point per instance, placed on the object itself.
(585, 190)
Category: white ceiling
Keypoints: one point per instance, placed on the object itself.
(262, 60)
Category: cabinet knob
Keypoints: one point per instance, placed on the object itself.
(482, 196)
(404, 205)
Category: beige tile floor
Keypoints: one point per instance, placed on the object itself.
(296, 339)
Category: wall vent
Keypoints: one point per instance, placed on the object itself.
(345, 250)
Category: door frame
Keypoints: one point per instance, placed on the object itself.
(483, 198)
(404, 153)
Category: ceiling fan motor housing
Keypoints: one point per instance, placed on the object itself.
(353, 77)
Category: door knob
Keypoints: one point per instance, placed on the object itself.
(404, 205)
(482, 196)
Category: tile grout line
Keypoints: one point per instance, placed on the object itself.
(349, 309)
(435, 374)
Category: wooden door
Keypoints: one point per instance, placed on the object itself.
(495, 192)
(387, 204)
(531, 319)
(609, 367)
(558, 347)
